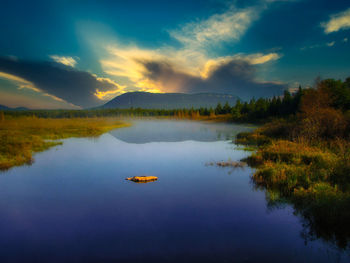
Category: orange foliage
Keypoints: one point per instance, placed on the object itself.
(318, 118)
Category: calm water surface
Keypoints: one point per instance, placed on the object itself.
(74, 204)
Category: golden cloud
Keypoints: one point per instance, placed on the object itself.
(25, 84)
(126, 63)
(68, 61)
(227, 26)
(109, 94)
(337, 22)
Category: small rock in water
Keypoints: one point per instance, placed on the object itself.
(142, 179)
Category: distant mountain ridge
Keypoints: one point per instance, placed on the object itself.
(146, 100)
(3, 107)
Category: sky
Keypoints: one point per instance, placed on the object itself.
(72, 54)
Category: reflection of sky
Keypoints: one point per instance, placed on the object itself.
(74, 204)
(177, 131)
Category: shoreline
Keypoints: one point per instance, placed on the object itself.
(22, 137)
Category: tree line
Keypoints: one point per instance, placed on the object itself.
(241, 111)
(255, 110)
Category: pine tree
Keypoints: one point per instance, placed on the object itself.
(227, 108)
(218, 109)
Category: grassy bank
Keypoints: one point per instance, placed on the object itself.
(312, 176)
(21, 137)
(304, 159)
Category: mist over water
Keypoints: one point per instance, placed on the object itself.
(146, 131)
(74, 204)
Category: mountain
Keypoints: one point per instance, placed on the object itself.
(146, 100)
(2, 107)
(20, 108)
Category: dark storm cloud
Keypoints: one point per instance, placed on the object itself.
(77, 87)
(234, 77)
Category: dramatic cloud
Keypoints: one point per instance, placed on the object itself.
(195, 66)
(253, 59)
(124, 62)
(108, 94)
(228, 26)
(68, 61)
(168, 71)
(51, 101)
(217, 29)
(339, 21)
(22, 83)
(62, 82)
(230, 77)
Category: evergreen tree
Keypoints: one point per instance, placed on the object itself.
(218, 109)
(226, 109)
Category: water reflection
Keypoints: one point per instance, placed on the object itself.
(319, 220)
(146, 131)
(74, 204)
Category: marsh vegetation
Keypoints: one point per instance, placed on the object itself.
(301, 153)
(20, 137)
(80, 192)
(305, 160)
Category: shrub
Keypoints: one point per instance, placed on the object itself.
(252, 139)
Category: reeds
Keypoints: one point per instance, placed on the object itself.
(21, 137)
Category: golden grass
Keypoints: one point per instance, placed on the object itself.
(21, 137)
(233, 164)
(314, 178)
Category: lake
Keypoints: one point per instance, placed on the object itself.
(74, 204)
